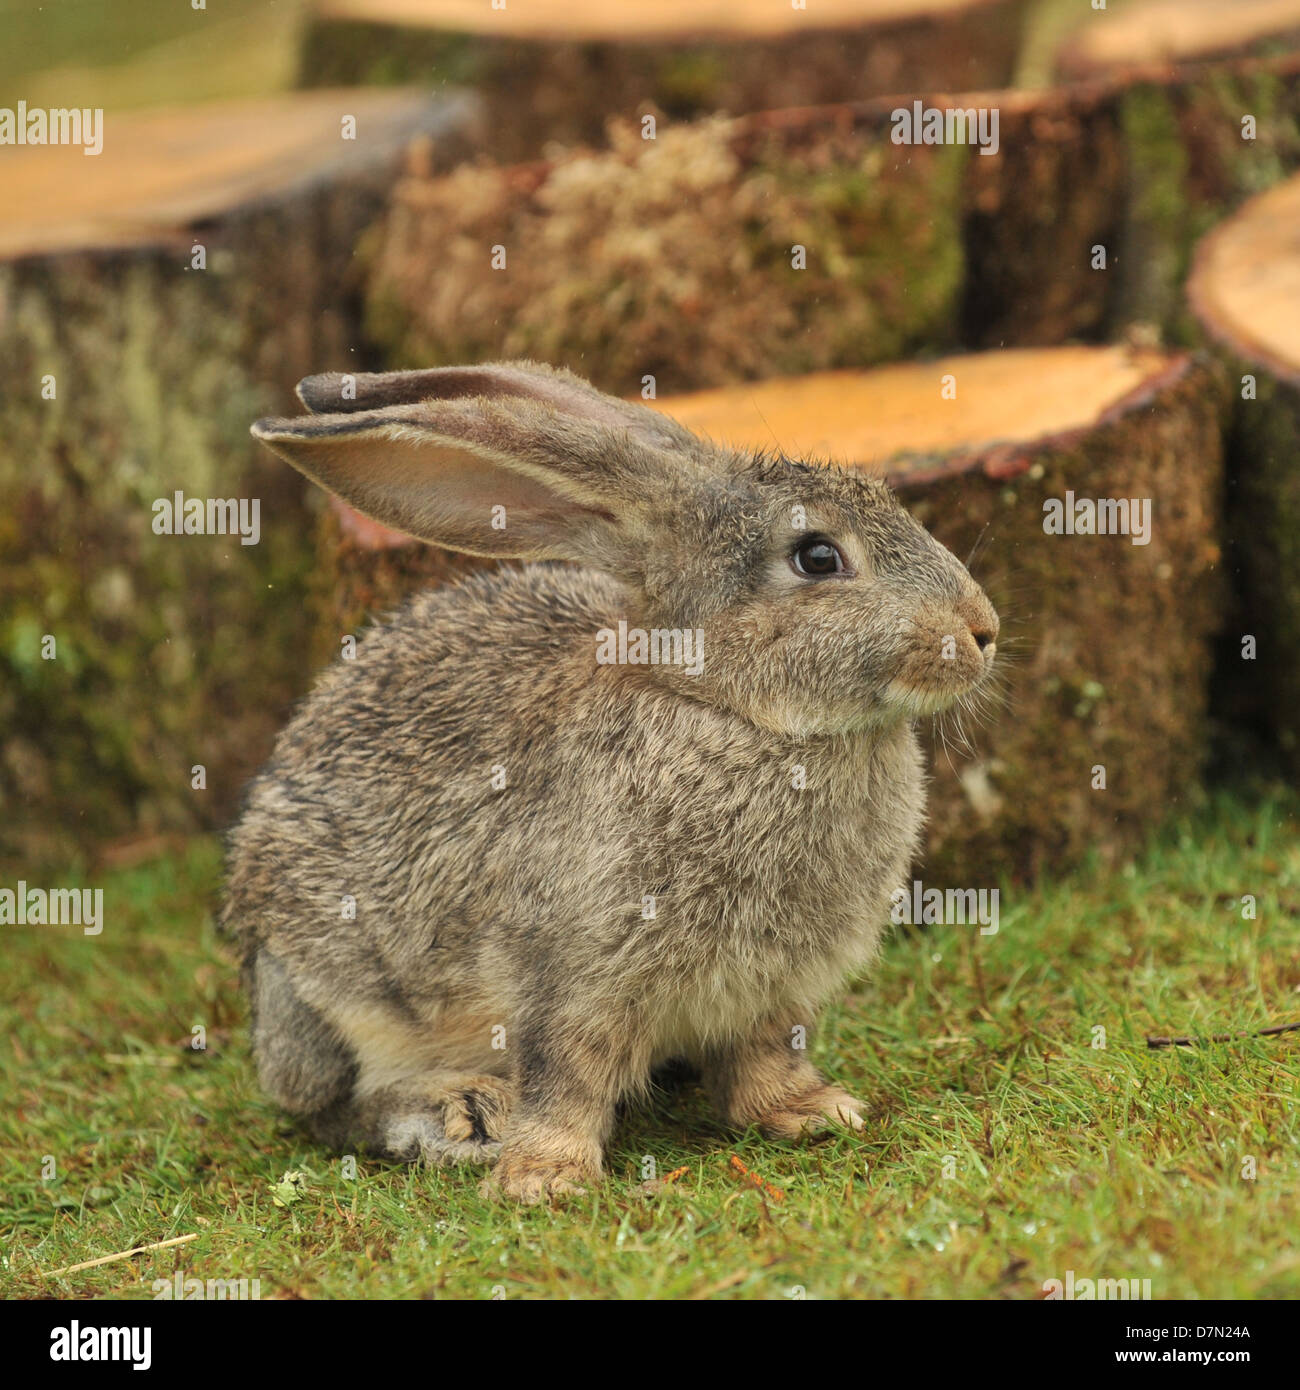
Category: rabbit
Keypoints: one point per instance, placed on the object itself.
(512, 857)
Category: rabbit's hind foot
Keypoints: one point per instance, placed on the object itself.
(449, 1120)
(476, 1109)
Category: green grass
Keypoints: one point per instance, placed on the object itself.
(146, 52)
(1003, 1149)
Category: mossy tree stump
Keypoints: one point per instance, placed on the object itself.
(1107, 643)
(1177, 31)
(1221, 125)
(154, 300)
(558, 73)
(796, 241)
(1245, 291)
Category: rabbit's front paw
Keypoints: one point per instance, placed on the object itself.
(530, 1180)
(825, 1108)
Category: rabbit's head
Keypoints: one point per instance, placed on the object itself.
(802, 598)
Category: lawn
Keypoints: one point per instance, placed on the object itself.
(147, 53)
(1005, 1147)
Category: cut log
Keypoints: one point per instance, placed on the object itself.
(1107, 642)
(1245, 291)
(679, 258)
(154, 300)
(162, 172)
(559, 72)
(869, 419)
(1177, 31)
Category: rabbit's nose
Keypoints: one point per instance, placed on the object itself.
(978, 614)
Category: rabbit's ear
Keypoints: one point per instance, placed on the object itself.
(335, 393)
(507, 478)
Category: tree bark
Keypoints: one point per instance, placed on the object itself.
(1245, 293)
(1177, 31)
(561, 77)
(797, 241)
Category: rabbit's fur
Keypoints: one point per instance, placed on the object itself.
(565, 872)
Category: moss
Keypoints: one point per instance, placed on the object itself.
(674, 258)
(152, 632)
(892, 245)
(1157, 244)
(348, 53)
(388, 320)
(171, 650)
(1187, 166)
(1248, 167)
(687, 80)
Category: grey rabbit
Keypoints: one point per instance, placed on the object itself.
(513, 856)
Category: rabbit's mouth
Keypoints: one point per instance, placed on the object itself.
(911, 703)
(920, 698)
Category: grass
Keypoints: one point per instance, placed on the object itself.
(1004, 1147)
(146, 53)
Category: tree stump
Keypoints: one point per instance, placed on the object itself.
(797, 241)
(1107, 643)
(1177, 31)
(1245, 291)
(558, 75)
(154, 300)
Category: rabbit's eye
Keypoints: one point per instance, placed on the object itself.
(818, 557)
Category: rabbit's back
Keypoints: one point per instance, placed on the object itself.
(396, 769)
